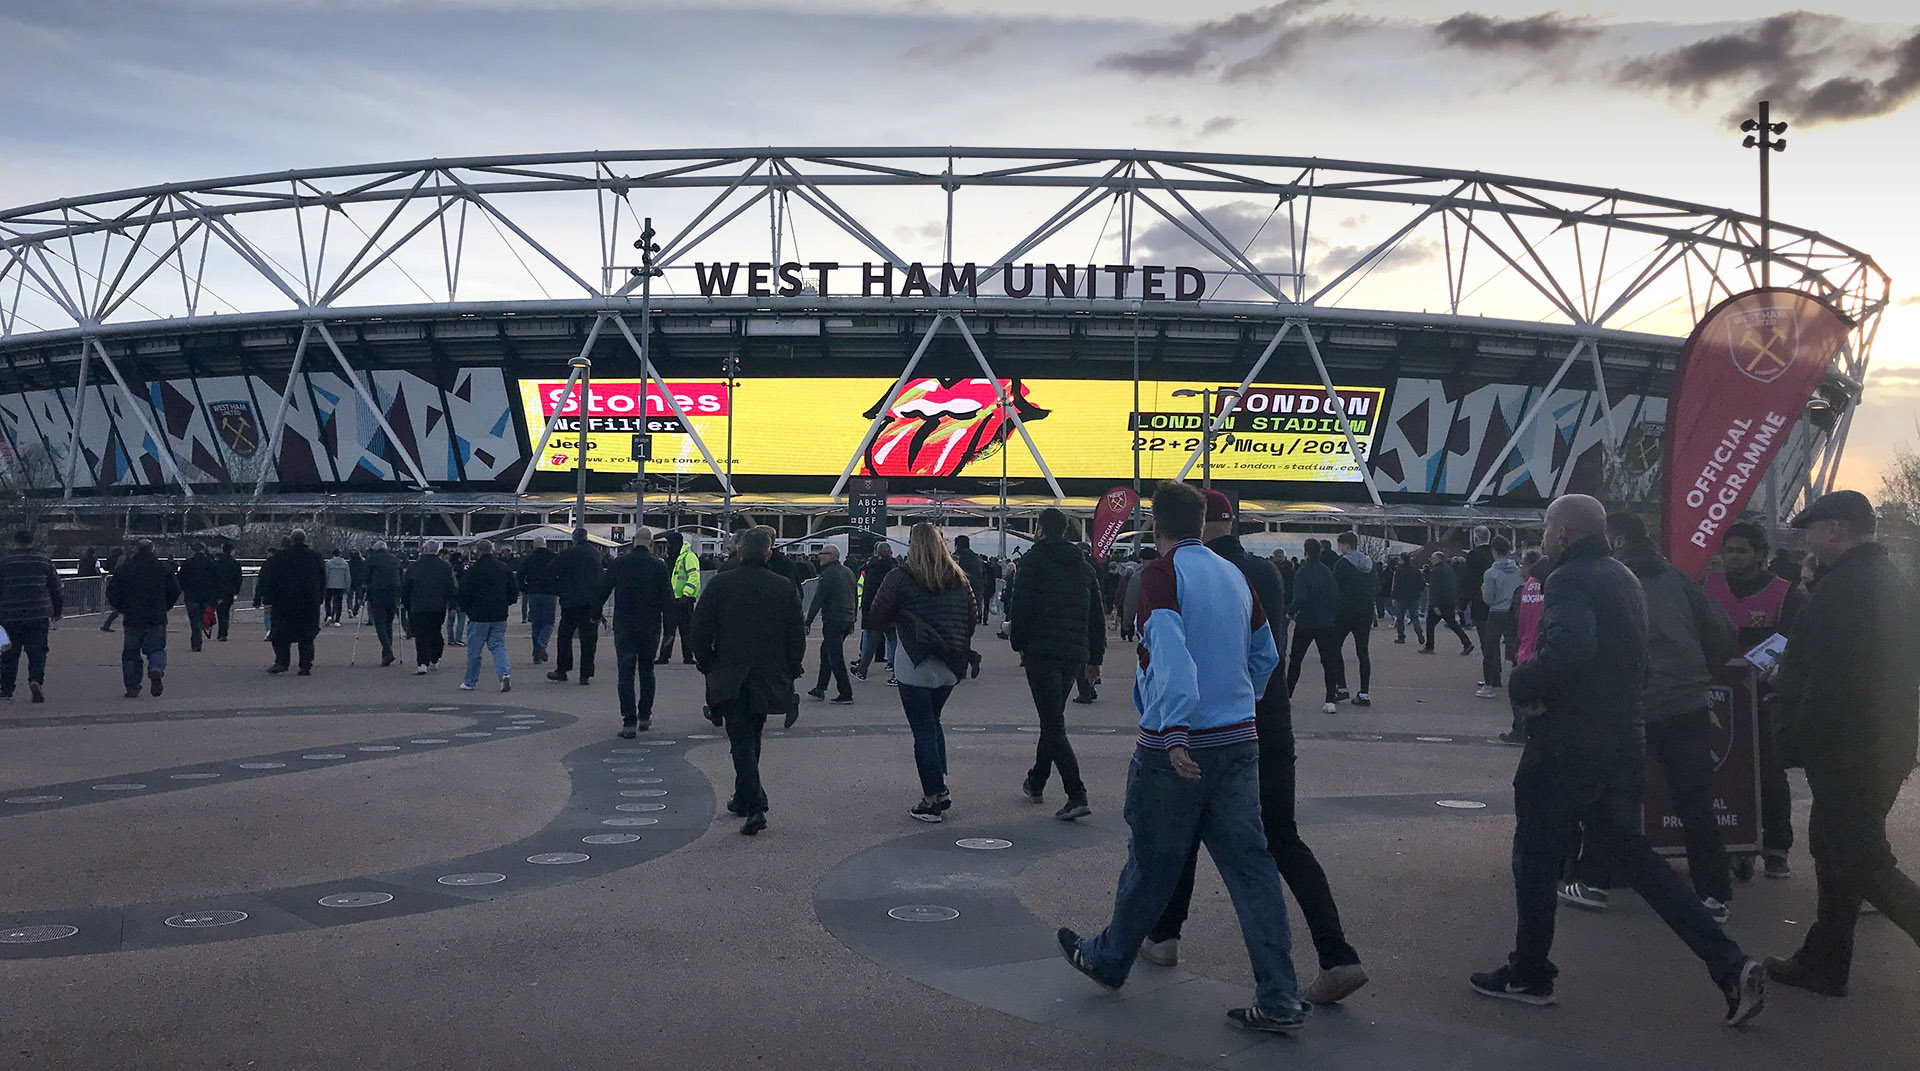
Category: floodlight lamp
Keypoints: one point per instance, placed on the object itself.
(1749, 142)
(1779, 128)
(1185, 392)
(1750, 125)
(1780, 146)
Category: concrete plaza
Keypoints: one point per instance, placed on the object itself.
(371, 869)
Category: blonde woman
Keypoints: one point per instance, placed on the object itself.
(929, 603)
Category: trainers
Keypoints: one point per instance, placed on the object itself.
(1503, 984)
(132, 693)
(1776, 865)
(41, 697)
(1426, 650)
(926, 811)
(944, 801)
(1341, 695)
(756, 823)
(1746, 993)
(1467, 650)
(1335, 984)
(1790, 971)
(644, 724)
(418, 671)
(465, 687)
(1720, 912)
(817, 694)
(1034, 793)
(1329, 708)
(155, 684)
(627, 732)
(893, 682)
(1070, 948)
(841, 700)
(506, 684)
(1401, 639)
(1161, 953)
(557, 675)
(1253, 1017)
(1485, 691)
(1514, 739)
(1363, 700)
(1583, 896)
(1073, 809)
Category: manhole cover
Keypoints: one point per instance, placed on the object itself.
(437, 709)
(630, 821)
(640, 807)
(33, 799)
(29, 935)
(1462, 805)
(924, 913)
(118, 788)
(473, 879)
(1025, 729)
(610, 838)
(984, 844)
(644, 792)
(516, 728)
(356, 899)
(628, 751)
(203, 920)
(558, 858)
(1107, 732)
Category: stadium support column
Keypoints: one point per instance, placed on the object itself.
(1007, 406)
(73, 434)
(886, 404)
(560, 404)
(277, 430)
(144, 412)
(652, 375)
(1513, 440)
(583, 371)
(1226, 411)
(1346, 426)
(359, 388)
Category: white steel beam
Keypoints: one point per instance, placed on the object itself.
(1346, 426)
(1226, 411)
(1533, 413)
(673, 403)
(142, 411)
(567, 393)
(880, 416)
(353, 377)
(1007, 407)
(277, 430)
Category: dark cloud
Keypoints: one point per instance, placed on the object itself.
(1812, 67)
(1205, 128)
(1538, 33)
(1239, 48)
(1219, 124)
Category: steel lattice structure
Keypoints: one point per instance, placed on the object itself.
(1293, 243)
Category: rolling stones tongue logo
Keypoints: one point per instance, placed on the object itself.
(936, 427)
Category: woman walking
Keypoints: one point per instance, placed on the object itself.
(928, 603)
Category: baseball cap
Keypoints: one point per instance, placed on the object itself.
(1849, 506)
(1219, 507)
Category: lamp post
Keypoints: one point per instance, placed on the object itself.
(1761, 135)
(648, 249)
(583, 367)
(1206, 396)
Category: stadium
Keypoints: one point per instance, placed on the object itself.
(988, 331)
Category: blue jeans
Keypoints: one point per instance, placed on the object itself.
(1168, 814)
(929, 742)
(633, 658)
(149, 641)
(491, 635)
(542, 612)
(1552, 799)
(196, 613)
(456, 624)
(1404, 612)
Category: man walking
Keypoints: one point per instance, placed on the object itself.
(749, 643)
(642, 592)
(1315, 607)
(1497, 586)
(1408, 585)
(1206, 653)
(1340, 970)
(293, 584)
(201, 588)
(427, 592)
(383, 596)
(875, 642)
(834, 601)
(231, 581)
(30, 601)
(576, 574)
(1443, 596)
(1688, 637)
(339, 573)
(489, 589)
(685, 582)
(1584, 766)
(975, 567)
(1846, 698)
(1354, 575)
(142, 591)
(542, 607)
(1059, 627)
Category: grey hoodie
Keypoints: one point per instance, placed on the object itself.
(1498, 586)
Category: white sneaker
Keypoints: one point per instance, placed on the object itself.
(465, 687)
(1720, 912)
(1583, 896)
(1161, 953)
(1485, 692)
(420, 670)
(1329, 709)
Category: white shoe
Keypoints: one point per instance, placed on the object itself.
(1161, 953)
(420, 670)
(1485, 692)
(1330, 709)
(465, 687)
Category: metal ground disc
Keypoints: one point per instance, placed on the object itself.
(558, 858)
(924, 913)
(30, 935)
(480, 878)
(356, 899)
(1462, 805)
(610, 838)
(984, 844)
(642, 793)
(628, 821)
(204, 920)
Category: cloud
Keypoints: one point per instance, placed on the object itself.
(1219, 124)
(1898, 380)
(1813, 68)
(1909, 300)
(1538, 33)
(1175, 124)
(975, 46)
(1220, 47)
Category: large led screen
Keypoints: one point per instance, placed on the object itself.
(938, 428)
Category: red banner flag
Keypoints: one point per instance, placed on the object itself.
(1110, 518)
(1744, 378)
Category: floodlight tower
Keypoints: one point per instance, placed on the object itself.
(1761, 135)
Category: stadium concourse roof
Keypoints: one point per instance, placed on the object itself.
(790, 504)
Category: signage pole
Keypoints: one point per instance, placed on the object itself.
(648, 249)
(583, 367)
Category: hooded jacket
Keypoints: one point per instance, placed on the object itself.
(487, 589)
(749, 640)
(1353, 574)
(1056, 614)
(685, 579)
(1589, 663)
(1497, 587)
(1688, 637)
(1408, 583)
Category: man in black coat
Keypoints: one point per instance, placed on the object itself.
(201, 588)
(642, 594)
(486, 591)
(575, 576)
(1585, 766)
(975, 567)
(30, 601)
(1059, 626)
(1443, 599)
(293, 583)
(1315, 609)
(543, 610)
(749, 642)
(231, 581)
(427, 592)
(383, 596)
(835, 601)
(875, 643)
(1846, 697)
(142, 591)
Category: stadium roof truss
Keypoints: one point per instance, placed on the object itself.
(1335, 241)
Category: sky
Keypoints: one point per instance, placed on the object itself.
(117, 93)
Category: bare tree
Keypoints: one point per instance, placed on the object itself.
(1900, 508)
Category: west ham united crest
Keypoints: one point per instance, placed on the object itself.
(1762, 342)
(237, 427)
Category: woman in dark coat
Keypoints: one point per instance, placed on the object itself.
(293, 582)
(928, 603)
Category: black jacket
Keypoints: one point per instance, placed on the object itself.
(29, 587)
(1479, 560)
(872, 575)
(642, 591)
(1444, 584)
(575, 575)
(1407, 583)
(1688, 637)
(383, 576)
(833, 597)
(1316, 596)
(143, 589)
(533, 571)
(231, 577)
(1848, 691)
(430, 587)
(200, 579)
(1261, 576)
(1056, 614)
(293, 581)
(488, 589)
(1589, 662)
(748, 639)
(1357, 588)
(930, 624)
